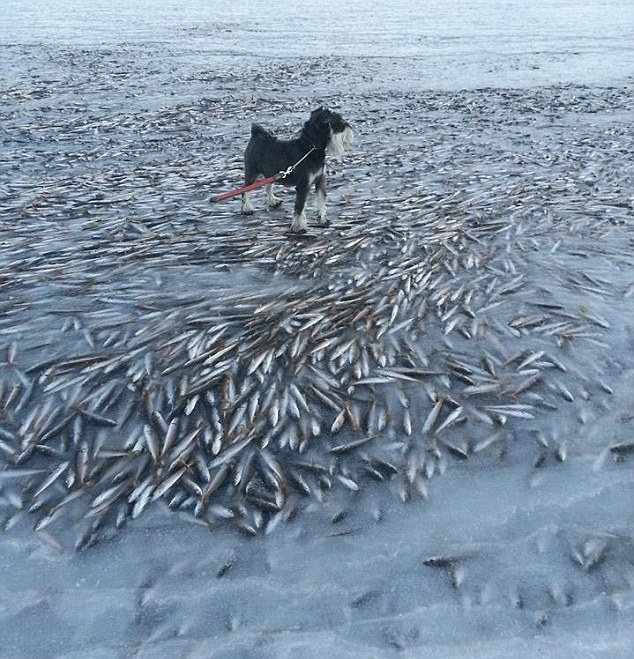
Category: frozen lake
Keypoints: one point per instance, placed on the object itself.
(462, 483)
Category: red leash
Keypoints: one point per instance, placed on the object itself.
(258, 184)
(246, 188)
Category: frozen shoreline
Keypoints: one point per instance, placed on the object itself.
(435, 45)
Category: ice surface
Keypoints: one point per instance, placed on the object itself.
(523, 110)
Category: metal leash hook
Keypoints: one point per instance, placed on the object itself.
(287, 172)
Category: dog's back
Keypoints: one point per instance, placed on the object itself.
(259, 132)
(261, 156)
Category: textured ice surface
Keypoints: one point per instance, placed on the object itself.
(521, 550)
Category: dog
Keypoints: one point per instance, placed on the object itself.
(266, 155)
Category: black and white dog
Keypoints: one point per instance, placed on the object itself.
(266, 155)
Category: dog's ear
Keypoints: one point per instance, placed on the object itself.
(321, 116)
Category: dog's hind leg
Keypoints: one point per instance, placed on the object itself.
(247, 207)
(271, 199)
(299, 216)
(320, 200)
(249, 177)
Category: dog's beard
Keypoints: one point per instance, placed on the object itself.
(340, 142)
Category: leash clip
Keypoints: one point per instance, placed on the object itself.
(287, 172)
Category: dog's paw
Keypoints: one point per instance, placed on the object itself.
(322, 222)
(299, 224)
(248, 211)
(275, 203)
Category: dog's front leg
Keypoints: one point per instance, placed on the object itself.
(299, 217)
(320, 200)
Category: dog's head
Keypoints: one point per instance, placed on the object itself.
(328, 130)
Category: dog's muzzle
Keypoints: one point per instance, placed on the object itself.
(340, 142)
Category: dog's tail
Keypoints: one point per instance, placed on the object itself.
(258, 131)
